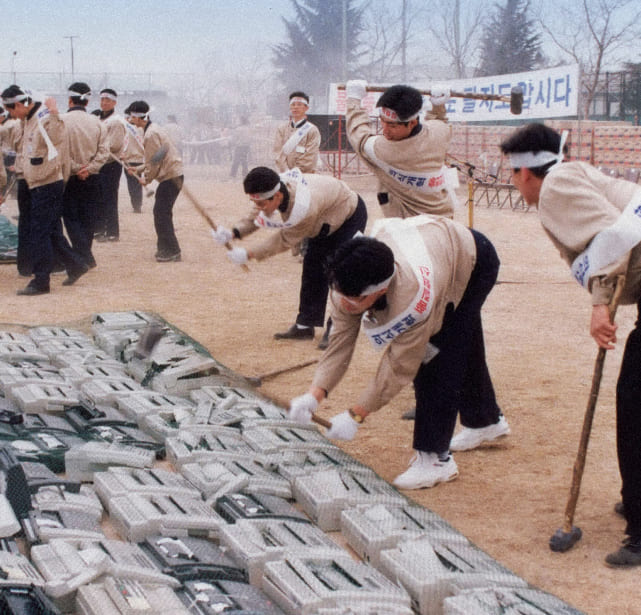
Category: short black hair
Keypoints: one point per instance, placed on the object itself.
(358, 263)
(79, 87)
(534, 137)
(299, 94)
(15, 90)
(139, 106)
(260, 179)
(405, 100)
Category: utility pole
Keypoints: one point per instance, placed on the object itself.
(73, 78)
(344, 42)
(404, 41)
(13, 65)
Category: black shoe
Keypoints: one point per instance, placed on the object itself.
(30, 289)
(618, 509)
(628, 555)
(100, 237)
(72, 278)
(113, 238)
(296, 333)
(162, 257)
(410, 415)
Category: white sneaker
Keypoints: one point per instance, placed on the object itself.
(426, 470)
(469, 438)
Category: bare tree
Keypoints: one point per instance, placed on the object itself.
(458, 33)
(390, 32)
(595, 34)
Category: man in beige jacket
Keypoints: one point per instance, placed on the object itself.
(45, 163)
(408, 158)
(296, 206)
(416, 289)
(595, 222)
(297, 141)
(164, 164)
(88, 152)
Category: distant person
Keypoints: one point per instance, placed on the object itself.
(11, 139)
(241, 140)
(134, 156)
(162, 163)
(88, 152)
(45, 165)
(297, 141)
(296, 206)
(108, 227)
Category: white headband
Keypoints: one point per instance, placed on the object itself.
(374, 288)
(15, 99)
(532, 160)
(109, 96)
(299, 99)
(83, 96)
(144, 115)
(391, 116)
(263, 196)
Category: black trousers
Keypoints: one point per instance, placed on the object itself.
(25, 251)
(457, 380)
(629, 428)
(110, 181)
(314, 286)
(166, 195)
(79, 202)
(47, 239)
(134, 188)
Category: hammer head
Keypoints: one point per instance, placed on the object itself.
(148, 339)
(516, 100)
(562, 540)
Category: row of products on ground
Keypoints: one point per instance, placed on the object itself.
(166, 484)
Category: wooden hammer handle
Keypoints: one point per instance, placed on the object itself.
(320, 421)
(201, 210)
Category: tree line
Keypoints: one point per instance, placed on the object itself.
(389, 41)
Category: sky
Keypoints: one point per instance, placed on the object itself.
(169, 36)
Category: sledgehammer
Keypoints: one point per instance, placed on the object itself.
(149, 339)
(515, 98)
(258, 380)
(567, 536)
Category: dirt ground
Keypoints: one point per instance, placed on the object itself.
(509, 498)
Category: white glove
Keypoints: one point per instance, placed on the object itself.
(344, 427)
(238, 256)
(302, 407)
(356, 88)
(440, 94)
(222, 235)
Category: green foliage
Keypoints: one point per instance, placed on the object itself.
(313, 55)
(510, 42)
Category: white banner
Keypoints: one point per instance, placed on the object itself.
(548, 93)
